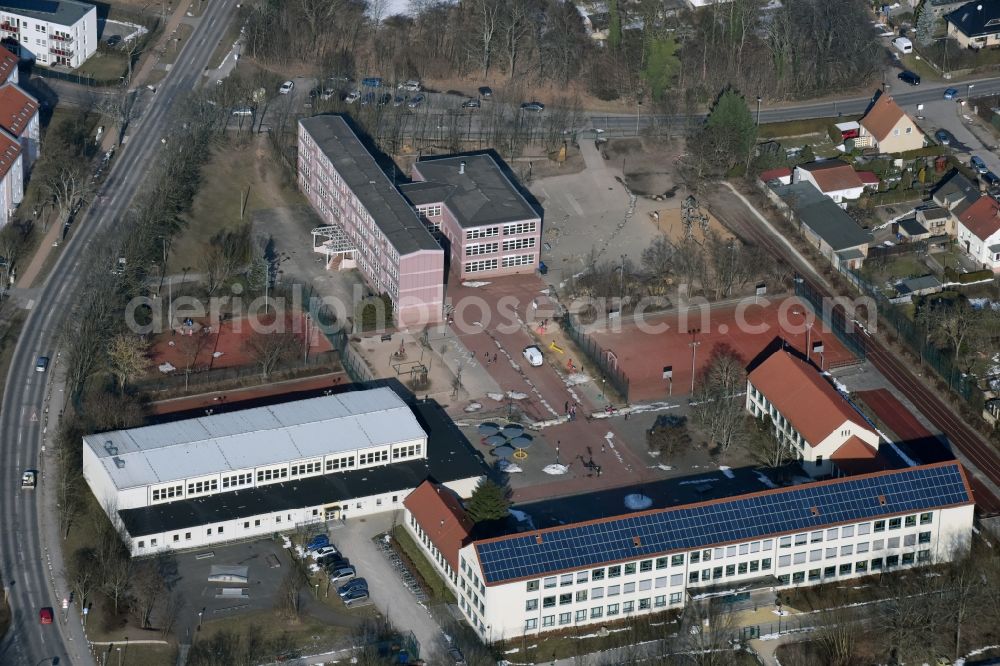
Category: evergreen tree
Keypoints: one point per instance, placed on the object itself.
(926, 24)
(615, 26)
(489, 501)
(662, 65)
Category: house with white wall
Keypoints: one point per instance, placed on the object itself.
(19, 117)
(979, 233)
(888, 128)
(616, 568)
(49, 32)
(824, 431)
(11, 176)
(834, 178)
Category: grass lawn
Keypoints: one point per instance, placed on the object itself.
(424, 568)
(104, 66)
(799, 127)
(919, 66)
(226, 43)
(139, 653)
(308, 635)
(175, 43)
(217, 205)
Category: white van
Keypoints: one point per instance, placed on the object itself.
(903, 45)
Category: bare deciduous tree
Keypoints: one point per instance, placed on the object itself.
(127, 357)
(270, 349)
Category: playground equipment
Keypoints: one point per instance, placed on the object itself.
(691, 215)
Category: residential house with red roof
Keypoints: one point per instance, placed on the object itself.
(834, 178)
(979, 232)
(19, 117)
(824, 431)
(8, 66)
(885, 126)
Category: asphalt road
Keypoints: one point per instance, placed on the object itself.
(904, 94)
(30, 566)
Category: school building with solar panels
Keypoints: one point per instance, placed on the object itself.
(253, 472)
(603, 570)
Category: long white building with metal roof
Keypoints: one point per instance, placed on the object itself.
(256, 471)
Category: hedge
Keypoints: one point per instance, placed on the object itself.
(798, 127)
(965, 278)
(926, 151)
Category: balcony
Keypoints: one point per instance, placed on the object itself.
(8, 27)
(65, 39)
(61, 51)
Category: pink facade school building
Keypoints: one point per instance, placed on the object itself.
(371, 226)
(487, 225)
(397, 236)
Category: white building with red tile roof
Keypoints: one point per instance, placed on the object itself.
(818, 424)
(978, 229)
(19, 116)
(436, 520)
(834, 178)
(11, 176)
(8, 66)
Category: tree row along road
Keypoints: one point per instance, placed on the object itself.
(27, 565)
(978, 452)
(905, 95)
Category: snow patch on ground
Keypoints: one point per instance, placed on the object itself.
(577, 378)
(475, 284)
(473, 407)
(555, 469)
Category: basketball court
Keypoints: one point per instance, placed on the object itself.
(660, 356)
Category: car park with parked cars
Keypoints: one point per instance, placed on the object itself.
(321, 552)
(352, 586)
(342, 573)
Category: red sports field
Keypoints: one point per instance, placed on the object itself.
(223, 345)
(748, 327)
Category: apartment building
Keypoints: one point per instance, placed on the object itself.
(484, 219)
(253, 472)
(371, 226)
(49, 32)
(600, 571)
(823, 430)
(19, 118)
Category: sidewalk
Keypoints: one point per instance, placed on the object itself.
(37, 263)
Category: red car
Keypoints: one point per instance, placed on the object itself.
(45, 616)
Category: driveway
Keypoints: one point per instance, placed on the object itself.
(968, 137)
(393, 600)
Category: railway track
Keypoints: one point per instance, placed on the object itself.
(973, 447)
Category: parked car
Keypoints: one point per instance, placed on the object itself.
(410, 86)
(991, 179)
(342, 573)
(318, 542)
(456, 656)
(371, 82)
(384, 99)
(942, 137)
(950, 93)
(399, 100)
(114, 40)
(352, 97)
(485, 91)
(42, 364)
(243, 111)
(471, 104)
(978, 164)
(533, 106)
(330, 563)
(286, 87)
(325, 550)
(415, 101)
(356, 598)
(29, 479)
(45, 615)
(327, 93)
(368, 98)
(356, 584)
(903, 45)
(907, 76)
(533, 355)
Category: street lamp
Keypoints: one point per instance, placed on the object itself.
(200, 614)
(758, 110)
(694, 351)
(968, 93)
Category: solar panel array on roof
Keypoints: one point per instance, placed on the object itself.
(737, 519)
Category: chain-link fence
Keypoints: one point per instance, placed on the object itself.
(599, 356)
(354, 365)
(834, 318)
(248, 374)
(917, 338)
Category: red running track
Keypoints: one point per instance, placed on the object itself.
(961, 436)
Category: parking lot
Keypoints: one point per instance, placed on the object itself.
(968, 137)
